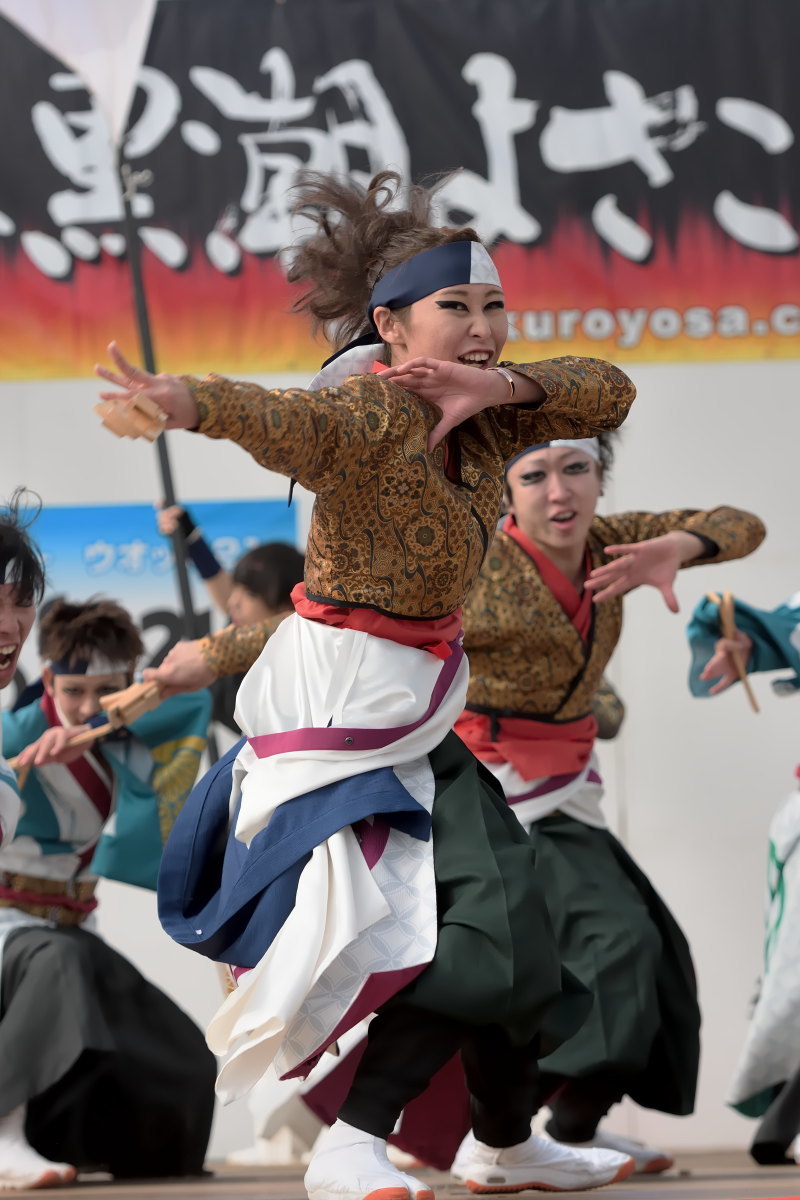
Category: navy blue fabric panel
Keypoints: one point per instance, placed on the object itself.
(227, 900)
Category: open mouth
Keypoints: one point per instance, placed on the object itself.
(8, 656)
(475, 358)
(564, 518)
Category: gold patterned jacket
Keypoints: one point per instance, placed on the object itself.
(235, 648)
(390, 529)
(526, 657)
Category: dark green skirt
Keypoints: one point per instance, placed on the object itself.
(616, 934)
(496, 959)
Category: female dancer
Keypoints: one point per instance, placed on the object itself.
(408, 887)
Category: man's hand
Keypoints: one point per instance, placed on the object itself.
(722, 665)
(654, 563)
(52, 747)
(183, 670)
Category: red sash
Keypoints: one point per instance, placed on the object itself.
(432, 636)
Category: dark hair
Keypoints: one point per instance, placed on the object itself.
(72, 632)
(607, 444)
(608, 449)
(21, 560)
(270, 572)
(360, 235)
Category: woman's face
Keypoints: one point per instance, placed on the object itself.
(466, 323)
(554, 493)
(245, 608)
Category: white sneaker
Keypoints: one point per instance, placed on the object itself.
(538, 1163)
(349, 1164)
(463, 1158)
(648, 1160)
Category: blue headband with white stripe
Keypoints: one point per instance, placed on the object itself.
(444, 266)
(590, 446)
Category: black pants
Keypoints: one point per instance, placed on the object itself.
(114, 1074)
(578, 1105)
(406, 1046)
(779, 1127)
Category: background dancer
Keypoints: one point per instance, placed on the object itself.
(370, 667)
(98, 1068)
(22, 582)
(258, 590)
(540, 626)
(766, 1082)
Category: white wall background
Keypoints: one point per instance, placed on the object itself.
(691, 784)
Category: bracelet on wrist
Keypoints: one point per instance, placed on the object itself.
(509, 378)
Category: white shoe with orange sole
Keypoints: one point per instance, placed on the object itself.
(349, 1164)
(538, 1164)
(648, 1160)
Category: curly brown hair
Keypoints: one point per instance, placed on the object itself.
(72, 632)
(359, 236)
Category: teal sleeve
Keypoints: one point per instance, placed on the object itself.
(775, 636)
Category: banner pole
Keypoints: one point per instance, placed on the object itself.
(129, 180)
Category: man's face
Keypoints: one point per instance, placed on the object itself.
(15, 624)
(554, 493)
(81, 697)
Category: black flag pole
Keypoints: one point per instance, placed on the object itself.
(130, 180)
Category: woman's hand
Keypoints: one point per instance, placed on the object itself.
(458, 391)
(722, 665)
(52, 747)
(183, 670)
(168, 518)
(167, 391)
(654, 562)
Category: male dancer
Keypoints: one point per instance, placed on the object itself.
(540, 625)
(97, 1066)
(21, 588)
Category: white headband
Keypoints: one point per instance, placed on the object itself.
(96, 664)
(590, 446)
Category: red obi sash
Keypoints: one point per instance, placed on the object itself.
(536, 749)
(432, 636)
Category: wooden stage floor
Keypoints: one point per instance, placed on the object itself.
(723, 1176)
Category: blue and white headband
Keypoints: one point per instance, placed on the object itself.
(590, 446)
(429, 271)
(96, 664)
(450, 265)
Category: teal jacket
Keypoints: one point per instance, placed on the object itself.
(775, 635)
(154, 765)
